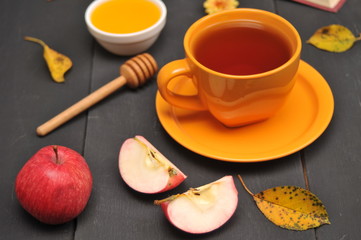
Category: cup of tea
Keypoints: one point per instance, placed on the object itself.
(242, 62)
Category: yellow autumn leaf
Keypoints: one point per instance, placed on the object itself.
(58, 63)
(213, 6)
(333, 38)
(291, 207)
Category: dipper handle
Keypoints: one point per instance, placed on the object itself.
(135, 72)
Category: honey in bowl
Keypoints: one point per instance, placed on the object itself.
(125, 16)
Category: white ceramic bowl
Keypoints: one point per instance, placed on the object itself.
(129, 43)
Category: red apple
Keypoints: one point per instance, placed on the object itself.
(54, 185)
(202, 209)
(145, 169)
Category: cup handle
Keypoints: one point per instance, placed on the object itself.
(166, 74)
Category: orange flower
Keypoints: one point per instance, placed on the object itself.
(213, 6)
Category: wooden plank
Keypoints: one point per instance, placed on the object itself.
(117, 212)
(333, 160)
(29, 97)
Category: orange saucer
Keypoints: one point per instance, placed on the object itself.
(302, 119)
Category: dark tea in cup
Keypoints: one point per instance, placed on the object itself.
(241, 48)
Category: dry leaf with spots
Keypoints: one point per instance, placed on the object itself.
(213, 6)
(58, 63)
(333, 38)
(291, 207)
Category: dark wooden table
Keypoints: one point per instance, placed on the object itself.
(28, 97)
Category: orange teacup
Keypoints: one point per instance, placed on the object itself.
(241, 61)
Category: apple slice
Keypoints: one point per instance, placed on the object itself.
(202, 209)
(145, 169)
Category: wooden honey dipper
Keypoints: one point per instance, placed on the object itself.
(134, 72)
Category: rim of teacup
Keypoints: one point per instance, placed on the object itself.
(295, 56)
(153, 29)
